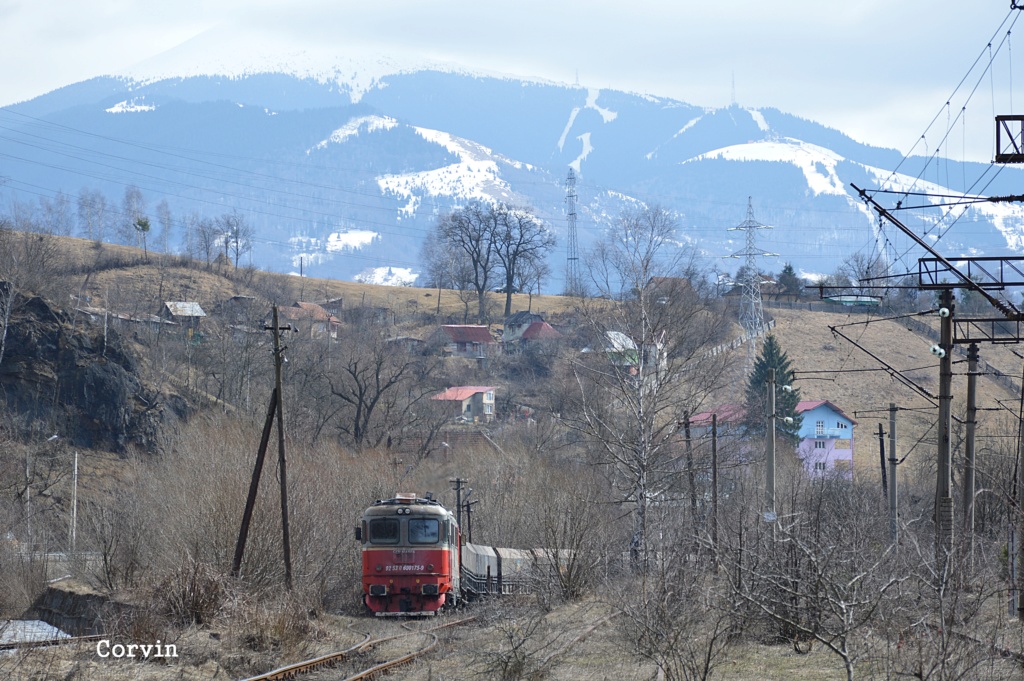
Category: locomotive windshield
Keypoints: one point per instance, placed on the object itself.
(424, 531)
(384, 531)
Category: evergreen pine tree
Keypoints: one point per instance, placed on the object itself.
(772, 356)
(790, 283)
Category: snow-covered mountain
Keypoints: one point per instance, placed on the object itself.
(342, 162)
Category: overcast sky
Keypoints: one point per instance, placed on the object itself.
(878, 70)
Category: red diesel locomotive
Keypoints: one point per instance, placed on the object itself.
(410, 550)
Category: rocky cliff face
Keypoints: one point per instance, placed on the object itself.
(67, 378)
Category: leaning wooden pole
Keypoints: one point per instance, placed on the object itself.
(250, 502)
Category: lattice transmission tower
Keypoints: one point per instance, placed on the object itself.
(573, 283)
(751, 309)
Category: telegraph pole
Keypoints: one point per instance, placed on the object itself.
(278, 361)
(944, 480)
(459, 483)
(769, 515)
(894, 523)
(254, 486)
(714, 488)
(881, 455)
(969, 450)
(469, 519)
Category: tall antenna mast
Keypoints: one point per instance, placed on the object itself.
(573, 284)
(751, 310)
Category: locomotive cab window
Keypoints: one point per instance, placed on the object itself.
(384, 531)
(424, 531)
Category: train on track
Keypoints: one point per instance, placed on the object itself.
(415, 562)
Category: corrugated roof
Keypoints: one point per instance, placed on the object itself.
(467, 333)
(185, 309)
(462, 392)
(540, 331)
(727, 413)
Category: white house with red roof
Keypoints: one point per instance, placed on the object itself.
(473, 403)
(826, 439)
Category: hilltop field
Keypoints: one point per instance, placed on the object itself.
(165, 420)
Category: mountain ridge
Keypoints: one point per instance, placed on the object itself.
(307, 165)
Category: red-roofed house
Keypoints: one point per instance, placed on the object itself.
(730, 417)
(463, 340)
(470, 402)
(311, 320)
(826, 439)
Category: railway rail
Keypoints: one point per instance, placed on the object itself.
(331, 659)
(46, 643)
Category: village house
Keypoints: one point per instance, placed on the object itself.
(463, 340)
(310, 320)
(186, 314)
(522, 328)
(472, 403)
(726, 418)
(826, 439)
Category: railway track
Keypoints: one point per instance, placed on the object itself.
(46, 643)
(349, 656)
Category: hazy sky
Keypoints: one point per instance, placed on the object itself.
(877, 70)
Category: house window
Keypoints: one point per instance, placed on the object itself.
(489, 396)
(819, 465)
(819, 444)
(819, 428)
(840, 425)
(488, 408)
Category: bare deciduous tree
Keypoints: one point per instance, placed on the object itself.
(92, 214)
(647, 362)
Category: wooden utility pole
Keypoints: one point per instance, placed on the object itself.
(894, 521)
(881, 456)
(254, 484)
(278, 361)
(714, 488)
(691, 477)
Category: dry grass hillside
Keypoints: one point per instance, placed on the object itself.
(828, 366)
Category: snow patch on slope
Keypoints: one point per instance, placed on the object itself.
(587, 148)
(475, 177)
(606, 115)
(568, 126)
(817, 163)
(130, 107)
(353, 127)
(689, 124)
(758, 117)
(387, 276)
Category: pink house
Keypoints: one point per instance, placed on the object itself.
(826, 439)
